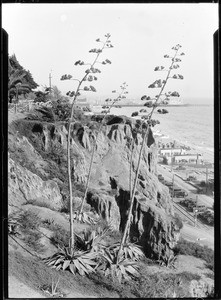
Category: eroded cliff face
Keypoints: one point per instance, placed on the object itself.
(43, 153)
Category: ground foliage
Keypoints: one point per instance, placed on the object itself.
(190, 248)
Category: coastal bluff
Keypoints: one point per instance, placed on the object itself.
(38, 173)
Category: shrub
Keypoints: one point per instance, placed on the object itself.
(207, 217)
(159, 285)
(39, 203)
(28, 224)
(113, 236)
(178, 222)
(62, 109)
(32, 239)
(60, 237)
(28, 220)
(165, 160)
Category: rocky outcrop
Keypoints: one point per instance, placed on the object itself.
(105, 206)
(24, 186)
(153, 225)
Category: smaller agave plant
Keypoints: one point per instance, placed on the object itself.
(117, 266)
(83, 217)
(93, 240)
(52, 290)
(129, 251)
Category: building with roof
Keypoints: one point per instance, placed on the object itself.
(168, 152)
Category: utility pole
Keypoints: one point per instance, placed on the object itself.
(171, 161)
(206, 178)
(195, 217)
(172, 187)
(50, 81)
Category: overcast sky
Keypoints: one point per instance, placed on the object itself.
(48, 37)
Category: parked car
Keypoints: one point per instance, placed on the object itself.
(179, 193)
(199, 190)
(180, 168)
(201, 208)
(167, 183)
(191, 178)
(190, 204)
(160, 176)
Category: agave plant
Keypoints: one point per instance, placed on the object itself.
(83, 217)
(129, 251)
(92, 240)
(52, 290)
(77, 261)
(117, 266)
(149, 123)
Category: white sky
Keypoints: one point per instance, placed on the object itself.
(48, 37)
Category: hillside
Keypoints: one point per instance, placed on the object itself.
(38, 197)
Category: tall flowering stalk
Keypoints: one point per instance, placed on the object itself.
(89, 76)
(110, 103)
(149, 122)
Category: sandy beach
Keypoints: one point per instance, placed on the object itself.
(201, 172)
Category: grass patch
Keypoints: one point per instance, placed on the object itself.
(122, 289)
(157, 285)
(194, 249)
(33, 272)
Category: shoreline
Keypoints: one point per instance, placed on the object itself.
(208, 155)
(202, 172)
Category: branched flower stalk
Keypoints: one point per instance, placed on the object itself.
(148, 122)
(75, 94)
(112, 103)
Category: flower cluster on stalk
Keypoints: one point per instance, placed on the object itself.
(161, 98)
(111, 102)
(89, 72)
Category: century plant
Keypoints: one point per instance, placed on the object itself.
(89, 76)
(78, 261)
(109, 104)
(147, 121)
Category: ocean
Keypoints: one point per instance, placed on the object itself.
(189, 125)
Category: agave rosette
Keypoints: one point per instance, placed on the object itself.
(117, 266)
(130, 251)
(84, 218)
(81, 262)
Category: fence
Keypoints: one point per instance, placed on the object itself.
(25, 106)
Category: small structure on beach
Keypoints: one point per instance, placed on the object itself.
(82, 102)
(188, 158)
(169, 152)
